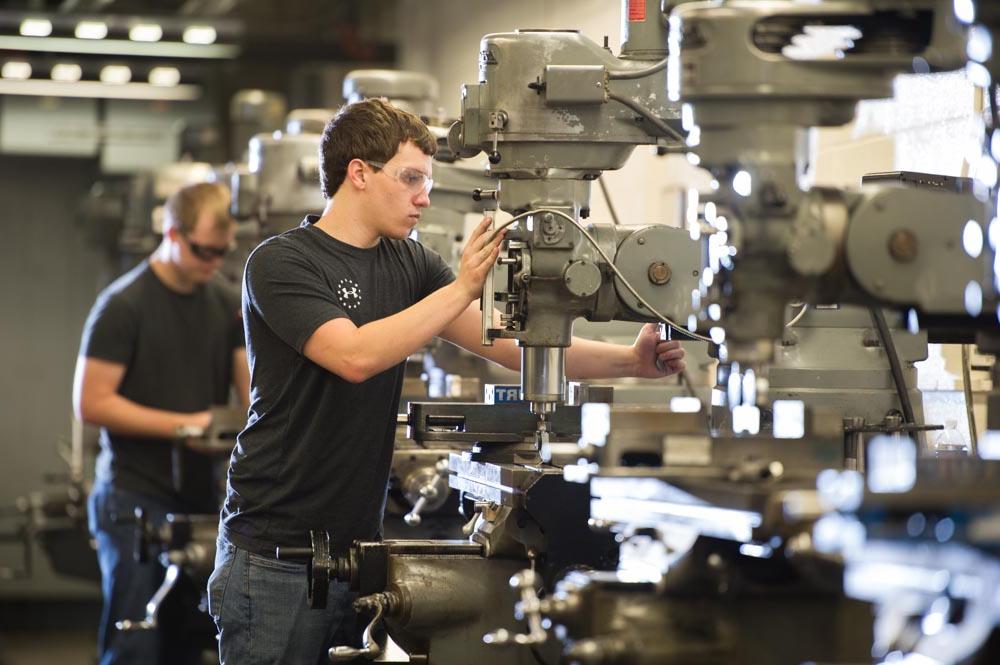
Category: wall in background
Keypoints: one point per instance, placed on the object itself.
(49, 277)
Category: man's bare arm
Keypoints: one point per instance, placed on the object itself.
(96, 401)
(585, 359)
(241, 376)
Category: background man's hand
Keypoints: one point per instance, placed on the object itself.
(478, 258)
(648, 348)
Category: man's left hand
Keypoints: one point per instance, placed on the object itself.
(656, 358)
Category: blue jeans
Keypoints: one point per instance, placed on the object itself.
(127, 586)
(261, 610)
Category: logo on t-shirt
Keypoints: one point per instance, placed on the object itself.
(349, 293)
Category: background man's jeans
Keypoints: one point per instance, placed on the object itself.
(127, 586)
(260, 608)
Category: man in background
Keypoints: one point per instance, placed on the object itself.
(162, 345)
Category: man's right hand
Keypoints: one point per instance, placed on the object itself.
(194, 422)
(478, 258)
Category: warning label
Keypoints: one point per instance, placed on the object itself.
(636, 10)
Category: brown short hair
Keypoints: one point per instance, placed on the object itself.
(186, 205)
(373, 130)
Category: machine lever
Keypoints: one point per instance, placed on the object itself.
(429, 492)
(528, 608)
(479, 509)
(370, 649)
(153, 606)
(413, 518)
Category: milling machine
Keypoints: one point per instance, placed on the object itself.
(722, 536)
(749, 105)
(552, 111)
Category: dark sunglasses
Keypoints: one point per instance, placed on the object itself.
(207, 252)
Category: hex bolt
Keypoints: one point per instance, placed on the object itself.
(659, 273)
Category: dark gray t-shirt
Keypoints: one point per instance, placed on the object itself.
(317, 449)
(177, 350)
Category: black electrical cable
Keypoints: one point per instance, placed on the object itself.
(607, 199)
(687, 383)
(994, 111)
(647, 115)
(878, 318)
(537, 655)
(630, 74)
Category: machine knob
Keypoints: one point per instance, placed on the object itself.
(483, 194)
(494, 157)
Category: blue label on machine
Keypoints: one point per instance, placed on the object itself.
(500, 394)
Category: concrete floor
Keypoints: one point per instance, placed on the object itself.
(48, 647)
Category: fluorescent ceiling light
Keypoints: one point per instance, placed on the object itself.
(66, 72)
(95, 89)
(145, 32)
(164, 76)
(116, 74)
(199, 34)
(122, 47)
(36, 27)
(16, 69)
(91, 30)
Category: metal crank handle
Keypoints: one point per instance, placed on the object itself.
(153, 606)
(486, 304)
(664, 335)
(529, 608)
(371, 649)
(413, 518)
